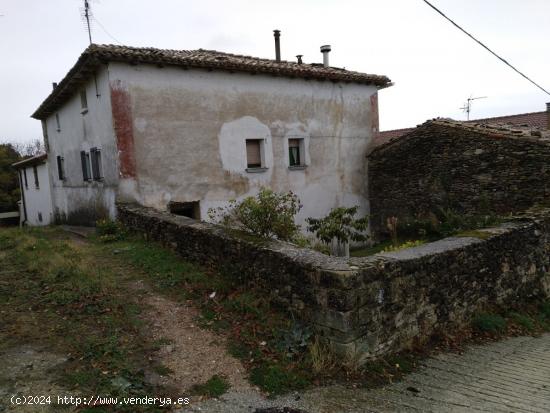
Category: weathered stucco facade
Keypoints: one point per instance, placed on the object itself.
(75, 199)
(177, 132)
(190, 130)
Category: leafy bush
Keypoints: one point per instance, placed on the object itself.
(522, 320)
(490, 323)
(109, 230)
(268, 214)
(294, 342)
(339, 224)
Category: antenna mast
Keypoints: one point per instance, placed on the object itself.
(87, 17)
(468, 105)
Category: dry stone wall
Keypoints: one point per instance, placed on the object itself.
(379, 304)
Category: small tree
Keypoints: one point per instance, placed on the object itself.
(339, 225)
(268, 214)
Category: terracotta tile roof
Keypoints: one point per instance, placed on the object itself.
(209, 59)
(532, 120)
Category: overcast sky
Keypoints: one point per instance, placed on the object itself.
(435, 67)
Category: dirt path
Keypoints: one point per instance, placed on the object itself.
(193, 354)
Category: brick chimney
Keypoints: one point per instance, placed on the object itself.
(548, 115)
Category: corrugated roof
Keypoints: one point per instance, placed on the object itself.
(208, 59)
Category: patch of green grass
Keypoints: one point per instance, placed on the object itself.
(82, 309)
(489, 323)
(275, 379)
(523, 320)
(214, 387)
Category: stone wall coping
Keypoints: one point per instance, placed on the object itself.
(341, 271)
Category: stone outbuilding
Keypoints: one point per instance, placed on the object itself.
(466, 167)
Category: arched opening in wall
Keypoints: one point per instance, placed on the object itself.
(186, 209)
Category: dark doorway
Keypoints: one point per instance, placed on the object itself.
(186, 209)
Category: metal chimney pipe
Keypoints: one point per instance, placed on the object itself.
(277, 35)
(54, 84)
(325, 50)
(299, 57)
(548, 115)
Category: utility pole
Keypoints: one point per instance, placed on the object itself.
(87, 17)
(468, 105)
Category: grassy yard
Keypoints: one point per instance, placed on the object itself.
(75, 298)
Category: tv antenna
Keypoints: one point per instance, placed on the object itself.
(468, 105)
(86, 15)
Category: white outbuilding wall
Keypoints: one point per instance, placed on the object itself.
(37, 198)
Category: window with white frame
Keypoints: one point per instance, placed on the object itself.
(296, 152)
(254, 153)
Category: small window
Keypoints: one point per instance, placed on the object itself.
(294, 156)
(85, 161)
(40, 217)
(253, 153)
(186, 209)
(25, 176)
(57, 123)
(83, 101)
(35, 172)
(61, 167)
(96, 164)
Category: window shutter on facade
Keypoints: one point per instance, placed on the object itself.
(85, 167)
(96, 163)
(253, 155)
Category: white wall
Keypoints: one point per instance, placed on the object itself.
(38, 201)
(74, 199)
(190, 126)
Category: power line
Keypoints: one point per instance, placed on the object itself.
(485, 47)
(105, 30)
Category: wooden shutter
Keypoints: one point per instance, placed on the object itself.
(253, 156)
(60, 170)
(95, 154)
(85, 170)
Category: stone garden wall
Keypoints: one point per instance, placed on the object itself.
(464, 167)
(379, 304)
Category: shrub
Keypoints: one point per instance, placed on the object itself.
(490, 323)
(339, 224)
(109, 230)
(268, 214)
(523, 321)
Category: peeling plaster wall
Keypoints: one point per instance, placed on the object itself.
(189, 130)
(75, 200)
